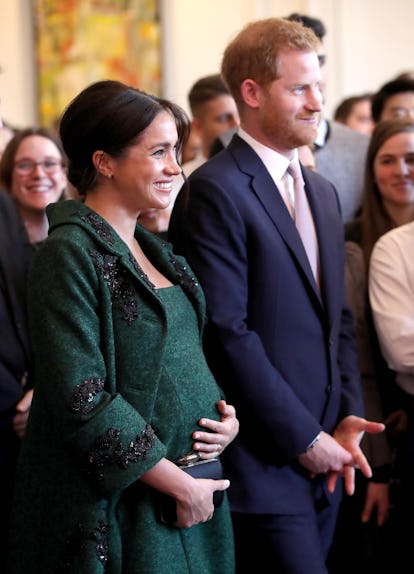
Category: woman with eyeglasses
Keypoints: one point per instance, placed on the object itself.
(32, 170)
(32, 175)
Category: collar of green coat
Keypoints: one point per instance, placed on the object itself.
(174, 267)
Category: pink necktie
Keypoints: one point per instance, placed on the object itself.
(303, 218)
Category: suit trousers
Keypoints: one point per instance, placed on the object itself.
(280, 543)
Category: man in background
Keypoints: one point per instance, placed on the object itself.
(355, 112)
(339, 151)
(213, 111)
(395, 99)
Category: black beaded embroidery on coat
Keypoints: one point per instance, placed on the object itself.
(84, 394)
(141, 272)
(109, 450)
(115, 277)
(76, 544)
(184, 278)
(100, 226)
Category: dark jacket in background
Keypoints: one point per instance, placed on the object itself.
(15, 357)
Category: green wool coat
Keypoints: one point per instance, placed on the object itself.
(108, 405)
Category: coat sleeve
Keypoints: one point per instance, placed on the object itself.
(75, 380)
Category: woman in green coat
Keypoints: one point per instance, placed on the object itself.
(122, 388)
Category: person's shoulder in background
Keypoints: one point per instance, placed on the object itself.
(222, 141)
(342, 160)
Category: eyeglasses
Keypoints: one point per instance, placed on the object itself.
(26, 166)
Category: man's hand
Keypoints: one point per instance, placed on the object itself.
(348, 434)
(327, 455)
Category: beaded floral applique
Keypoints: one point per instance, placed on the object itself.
(183, 276)
(115, 277)
(76, 544)
(101, 228)
(109, 268)
(109, 450)
(141, 272)
(84, 394)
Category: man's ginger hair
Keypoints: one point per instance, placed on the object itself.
(254, 52)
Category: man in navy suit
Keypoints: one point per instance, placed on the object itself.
(279, 338)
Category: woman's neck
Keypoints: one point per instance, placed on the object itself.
(118, 218)
(124, 222)
(400, 214)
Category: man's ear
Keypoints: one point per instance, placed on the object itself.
(250, 92)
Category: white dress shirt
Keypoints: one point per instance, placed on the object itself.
(276, 164)
(391, 292)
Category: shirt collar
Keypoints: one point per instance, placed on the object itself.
(322, 135)
(275, 163)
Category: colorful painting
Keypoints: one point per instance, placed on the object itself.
(81, 41)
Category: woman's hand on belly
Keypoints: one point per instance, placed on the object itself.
(212, 442)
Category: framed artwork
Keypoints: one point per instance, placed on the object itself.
(81, 41)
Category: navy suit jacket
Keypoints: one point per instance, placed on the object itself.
(283, 352)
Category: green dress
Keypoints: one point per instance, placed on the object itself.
(121, 381)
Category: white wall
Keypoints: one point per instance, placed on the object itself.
(368, 42)
(375, 42)
(197, 31)
(18, 89)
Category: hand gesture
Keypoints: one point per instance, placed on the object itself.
(327, 455)
(212, 442)
(348, 434)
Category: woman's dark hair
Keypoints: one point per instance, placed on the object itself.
(110, 116)
(9, 153)
(375, 218)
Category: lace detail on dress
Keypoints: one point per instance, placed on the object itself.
(76, 544)
(109, 450)
(100, 226)
(115, 277)
(84, 395)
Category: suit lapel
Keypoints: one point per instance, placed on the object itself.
(269, 196)
(329, 277)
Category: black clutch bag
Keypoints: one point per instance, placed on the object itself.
(192, 465)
